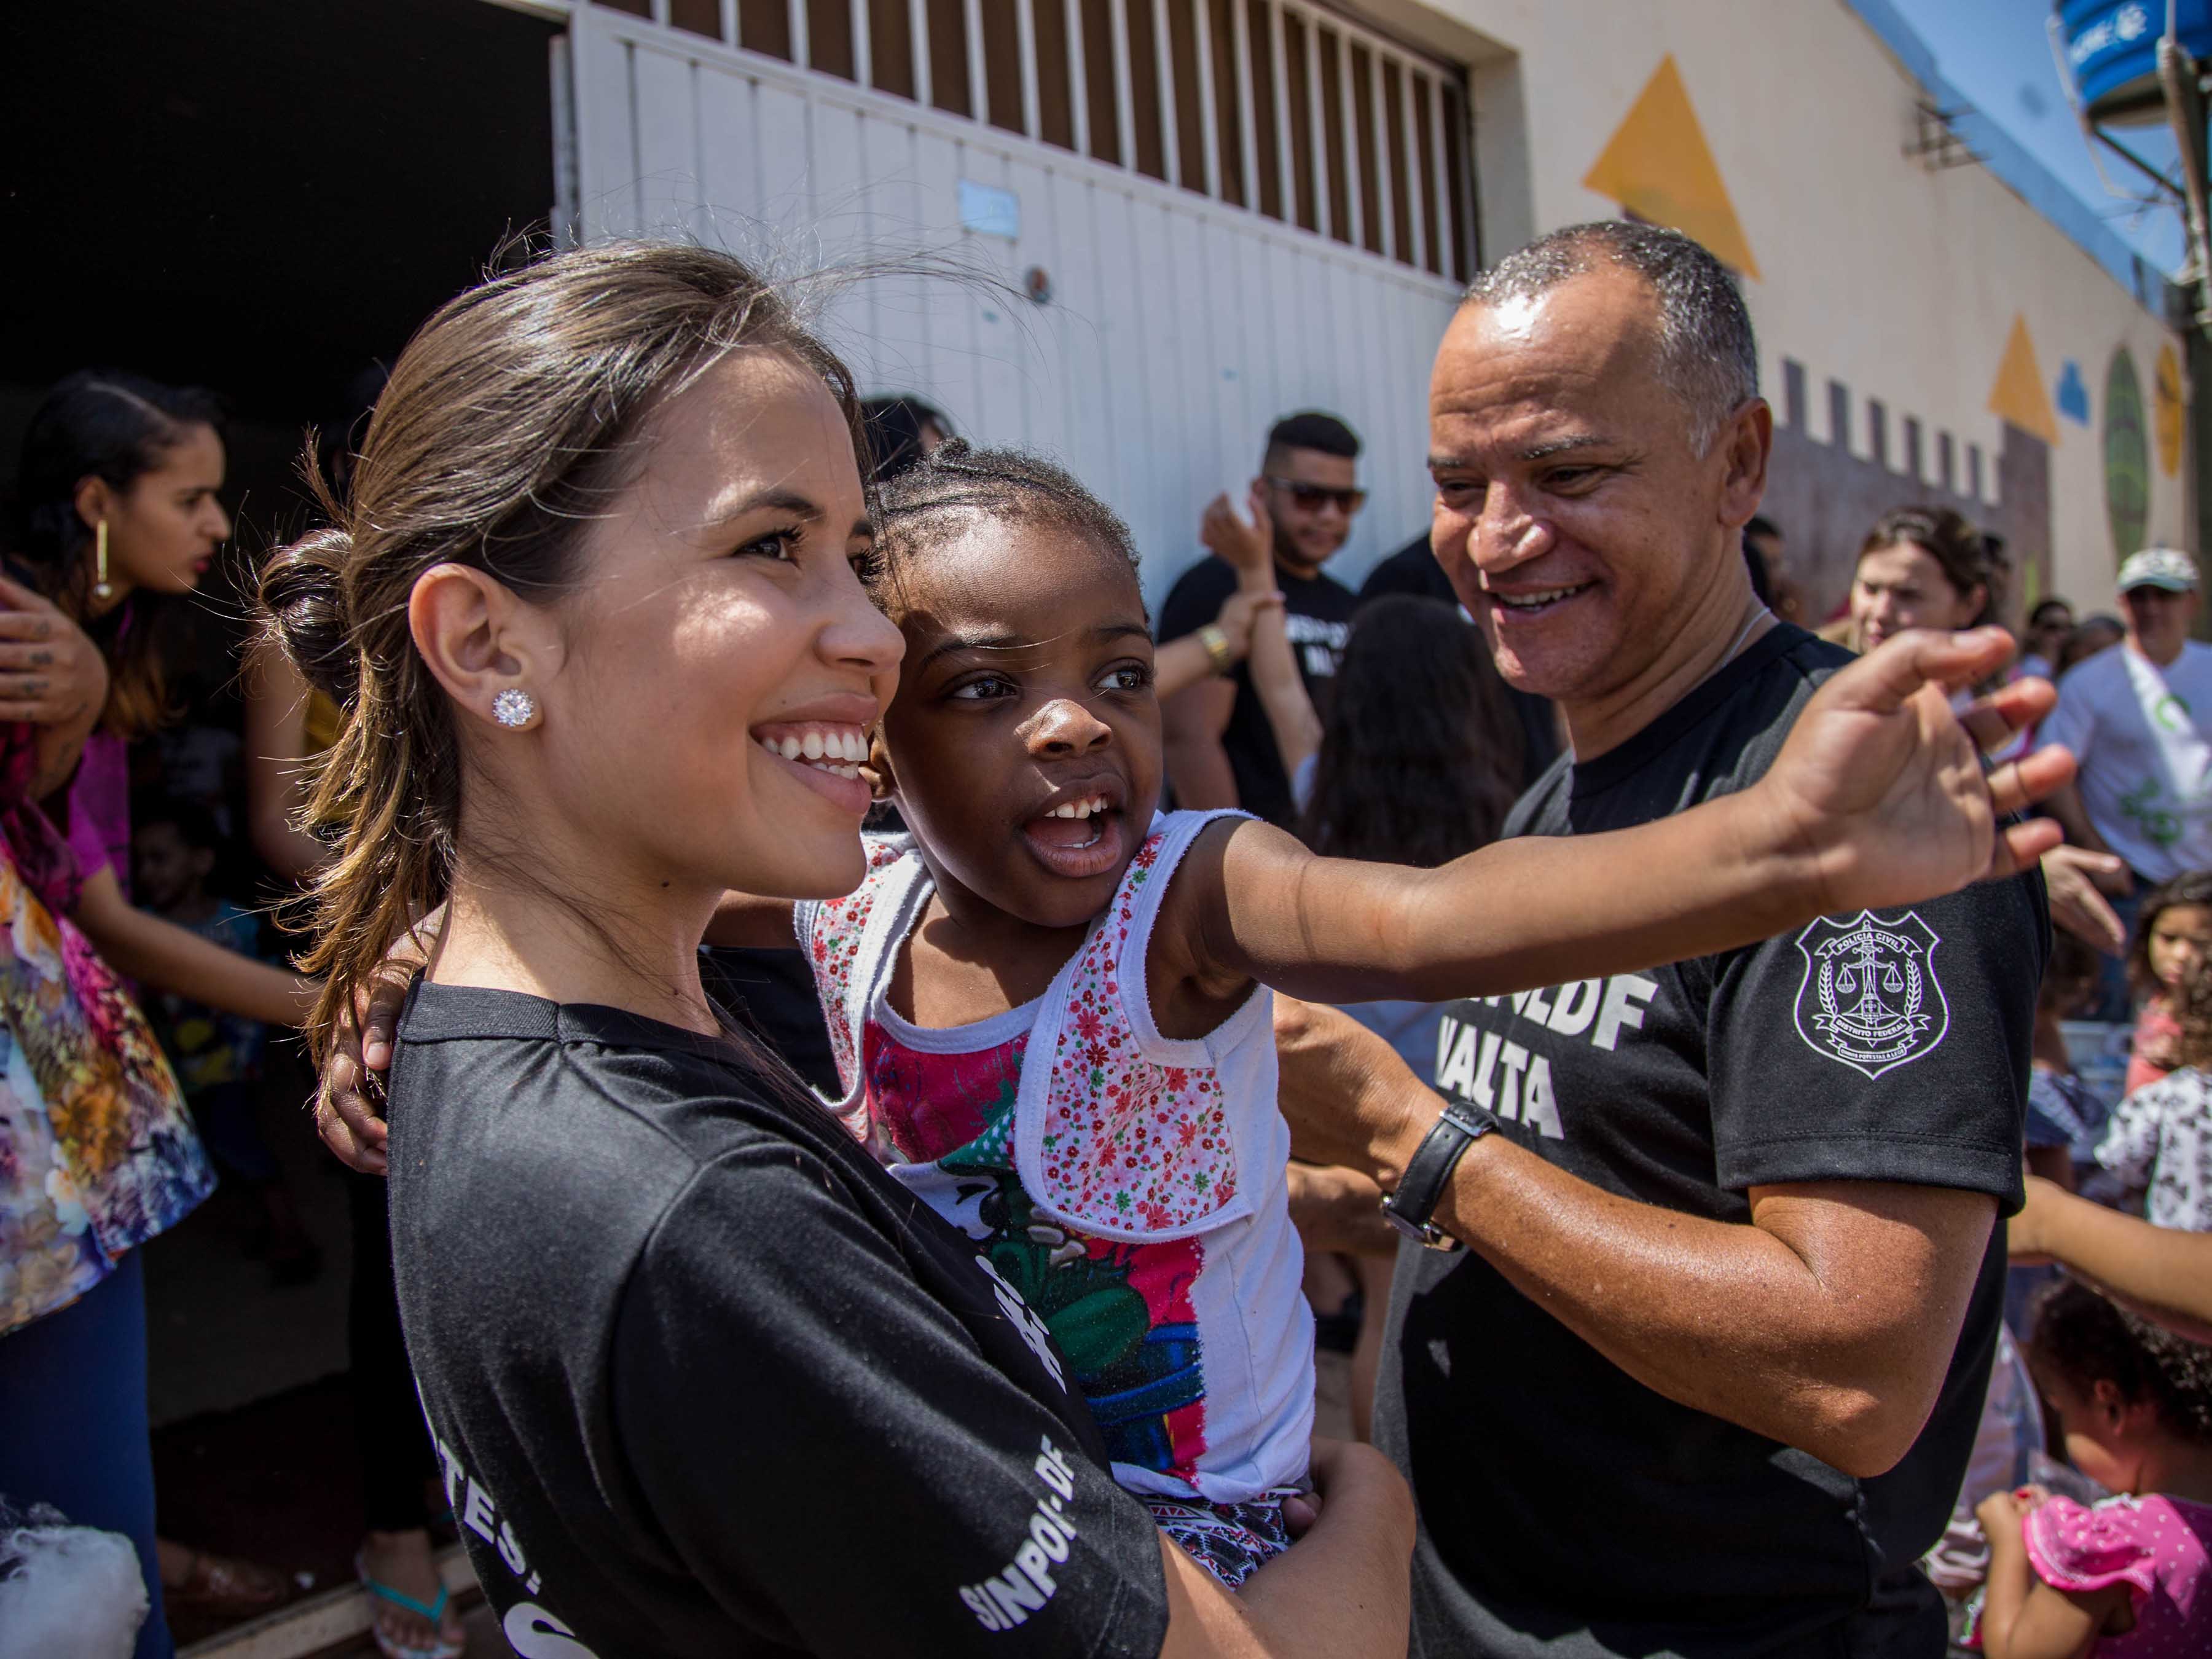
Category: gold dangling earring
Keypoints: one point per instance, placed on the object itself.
(101, 587)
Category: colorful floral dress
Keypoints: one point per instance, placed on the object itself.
(1130, 1186)
(97, 1151)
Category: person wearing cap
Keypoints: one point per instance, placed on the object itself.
(2139, 721)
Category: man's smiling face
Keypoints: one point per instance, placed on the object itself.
(1576, 521)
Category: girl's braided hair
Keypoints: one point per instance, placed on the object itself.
(929, 503)
(2085, 1339)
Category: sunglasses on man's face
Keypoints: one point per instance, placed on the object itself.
(1312, 497)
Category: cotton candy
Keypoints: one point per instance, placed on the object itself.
(67, 1592)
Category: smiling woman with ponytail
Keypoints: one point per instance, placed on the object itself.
(672, 1328)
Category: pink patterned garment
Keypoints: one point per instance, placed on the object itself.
(1128, 1184)
(1127, 1140)
(835, 948)
(2160, 1547)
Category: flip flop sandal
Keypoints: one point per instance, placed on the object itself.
(433, 1613)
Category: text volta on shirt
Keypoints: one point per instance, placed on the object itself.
(1489, 1070)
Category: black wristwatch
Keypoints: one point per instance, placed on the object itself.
(1409, 1208)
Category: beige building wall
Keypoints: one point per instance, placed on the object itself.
(1900, 281)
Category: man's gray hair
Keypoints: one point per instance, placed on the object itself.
(1708, 356)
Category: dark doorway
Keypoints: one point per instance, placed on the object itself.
(258, 195)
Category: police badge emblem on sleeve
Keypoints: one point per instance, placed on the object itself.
(1871, 999)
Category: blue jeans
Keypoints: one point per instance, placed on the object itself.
(73, 1428)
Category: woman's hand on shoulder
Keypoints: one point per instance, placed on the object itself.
(51, 672)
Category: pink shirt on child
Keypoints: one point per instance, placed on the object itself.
(2160, 1547)
(2151, 1054)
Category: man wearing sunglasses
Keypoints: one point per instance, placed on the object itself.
(1220, 749)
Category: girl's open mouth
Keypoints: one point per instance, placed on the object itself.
(1078, 839)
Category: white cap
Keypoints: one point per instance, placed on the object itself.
(2159, 566)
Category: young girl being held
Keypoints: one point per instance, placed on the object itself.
(2130, 1575)
(2160, 1139)
(2173, 933)
(1049, 1004)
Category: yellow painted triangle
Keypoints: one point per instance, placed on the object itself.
(2019, 395)
(1658, 166)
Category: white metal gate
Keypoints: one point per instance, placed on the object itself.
(1176, 327)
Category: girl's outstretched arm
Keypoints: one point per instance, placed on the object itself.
(2162, 1273)
(1878, 798)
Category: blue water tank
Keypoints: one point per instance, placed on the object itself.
(2112, 45)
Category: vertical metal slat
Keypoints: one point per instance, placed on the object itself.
(1286, 156)
(864, 48)
(979, 92)
(1439, 180)
(1078, 78)
(1164, 59)
(1348, 107)
(1317, 146)
(917, 12)
(1248, 136)
(1209, 113)
(1410, 82)
(1026, 35)
(1386, 222)
(1125, 104)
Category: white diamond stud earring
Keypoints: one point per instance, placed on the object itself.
(514, 709)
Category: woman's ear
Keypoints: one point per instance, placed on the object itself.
(479, 640)
(95, 499)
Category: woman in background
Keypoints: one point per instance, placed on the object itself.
(119, 494)
(1418, 762)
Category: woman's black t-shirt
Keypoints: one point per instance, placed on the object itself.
(705, 1380)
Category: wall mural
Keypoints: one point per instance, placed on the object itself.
(1658, 166)
(2072, 394)
(2127, 456)
(2170, 417)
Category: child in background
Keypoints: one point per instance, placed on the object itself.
(175, 846)
(1130, 1182)
(2129, 1578)
(2173, 934)
(2160, 1139)
(2065, 1119)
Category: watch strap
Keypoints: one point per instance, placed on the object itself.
(1422, 1185)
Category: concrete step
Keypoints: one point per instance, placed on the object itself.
(338, 1622)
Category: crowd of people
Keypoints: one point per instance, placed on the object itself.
(832, 1010)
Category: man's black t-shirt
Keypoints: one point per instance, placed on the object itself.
(1318, 615)
(704, 1380)
(1565, 1508)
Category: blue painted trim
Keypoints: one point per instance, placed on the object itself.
(2027, 177)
